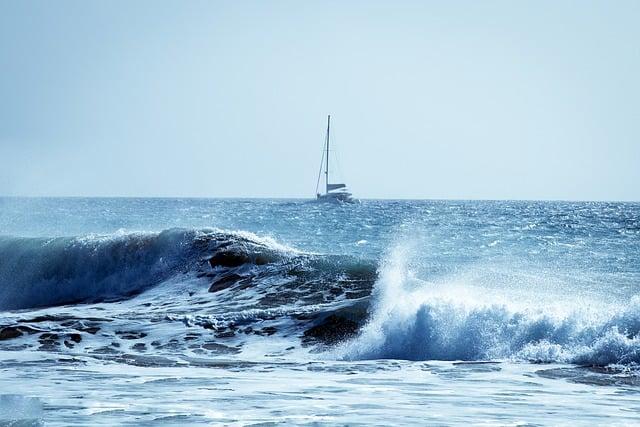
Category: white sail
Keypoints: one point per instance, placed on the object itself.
(331, 187)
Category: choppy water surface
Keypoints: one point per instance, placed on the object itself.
(194, 311)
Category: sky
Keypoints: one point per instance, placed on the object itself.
(433, 100)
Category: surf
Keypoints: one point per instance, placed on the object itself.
(416, 320)
(47, 272)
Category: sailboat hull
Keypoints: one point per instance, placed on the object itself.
(341, 197)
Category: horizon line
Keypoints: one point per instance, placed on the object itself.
(312, 198)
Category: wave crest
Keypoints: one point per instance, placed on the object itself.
(435, 323)
(37, 272)
(40, 272)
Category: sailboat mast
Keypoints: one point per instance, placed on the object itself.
(326, 170)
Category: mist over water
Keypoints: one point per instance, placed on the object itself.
(420, 295)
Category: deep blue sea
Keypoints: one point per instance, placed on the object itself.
(124, 311)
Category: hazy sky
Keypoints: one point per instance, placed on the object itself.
(477, 99)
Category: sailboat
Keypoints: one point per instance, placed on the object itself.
(333, 192)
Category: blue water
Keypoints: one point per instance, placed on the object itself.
(185, 311)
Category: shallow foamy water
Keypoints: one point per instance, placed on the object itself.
(371, 392)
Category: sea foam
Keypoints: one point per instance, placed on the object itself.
(417, 320)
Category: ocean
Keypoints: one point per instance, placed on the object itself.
(125, 311)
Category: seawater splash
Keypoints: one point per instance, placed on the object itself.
(415, 320)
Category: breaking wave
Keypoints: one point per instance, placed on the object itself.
(328, 299)
(40, 272)
(438, 322)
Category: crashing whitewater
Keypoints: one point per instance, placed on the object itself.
(185, 291)
(414, 320)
